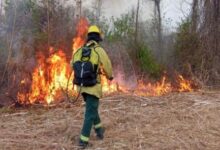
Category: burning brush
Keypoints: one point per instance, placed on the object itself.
(51, 78)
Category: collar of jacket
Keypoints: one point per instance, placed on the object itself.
(91, 43)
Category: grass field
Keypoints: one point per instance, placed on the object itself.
(175, 121)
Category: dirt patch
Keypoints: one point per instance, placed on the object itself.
(175, 121)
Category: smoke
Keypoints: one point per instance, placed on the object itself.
(123, 69)
(116, 8)
(173, 10)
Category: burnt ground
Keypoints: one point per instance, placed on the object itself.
(175, 121)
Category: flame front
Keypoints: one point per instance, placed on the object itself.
(108, 86)
(81, 33)
(159, 88)
(51, 77)
(184, 85)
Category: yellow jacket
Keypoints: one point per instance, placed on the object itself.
(98, 56)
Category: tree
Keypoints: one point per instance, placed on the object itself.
(31, 26)
(98, 10)
(195, 15)
(199, 42)
(1, 10)
(78, 9)
(137, 21)
(158, 19)
(210, 36)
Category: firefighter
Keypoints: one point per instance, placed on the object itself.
(91, 54)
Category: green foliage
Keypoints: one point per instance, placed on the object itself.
(123, 31)
(123, 27)
(147, 61)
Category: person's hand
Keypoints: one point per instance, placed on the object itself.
(111, 78)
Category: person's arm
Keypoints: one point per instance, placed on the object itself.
(105, 62)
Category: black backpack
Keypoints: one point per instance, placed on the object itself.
(85, 73)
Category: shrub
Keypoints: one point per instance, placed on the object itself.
(147, 62)
(187, 51)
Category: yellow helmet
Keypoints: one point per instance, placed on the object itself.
(94, 28)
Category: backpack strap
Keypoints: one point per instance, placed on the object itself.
(94, 46)
(86, 53)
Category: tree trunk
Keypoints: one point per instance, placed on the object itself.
(195, 15)
(137, 22)
(159, 28)
(98, 10)
(1, 10)
(48, 24)
(78, 9)
(205, 23)
(10, 44)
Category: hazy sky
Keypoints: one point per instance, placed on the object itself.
(171, 9)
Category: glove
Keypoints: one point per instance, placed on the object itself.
(111, 78)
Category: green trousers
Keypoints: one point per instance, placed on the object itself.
(91, 116)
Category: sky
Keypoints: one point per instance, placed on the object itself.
(174, 10)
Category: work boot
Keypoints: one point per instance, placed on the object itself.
(100, 133)
(83, 144)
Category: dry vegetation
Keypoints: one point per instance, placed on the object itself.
(175, 121)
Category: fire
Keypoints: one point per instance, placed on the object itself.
(108, 86)
(185, 85)
(81, 33)
(159, 88)
(163, 87)
(78, 41)
(51, 77)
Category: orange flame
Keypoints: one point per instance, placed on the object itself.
(107, 86)
(159, 88)
(81, 33)
(51, 77)
(185, 85)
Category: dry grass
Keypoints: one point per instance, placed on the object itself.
(176, 121)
